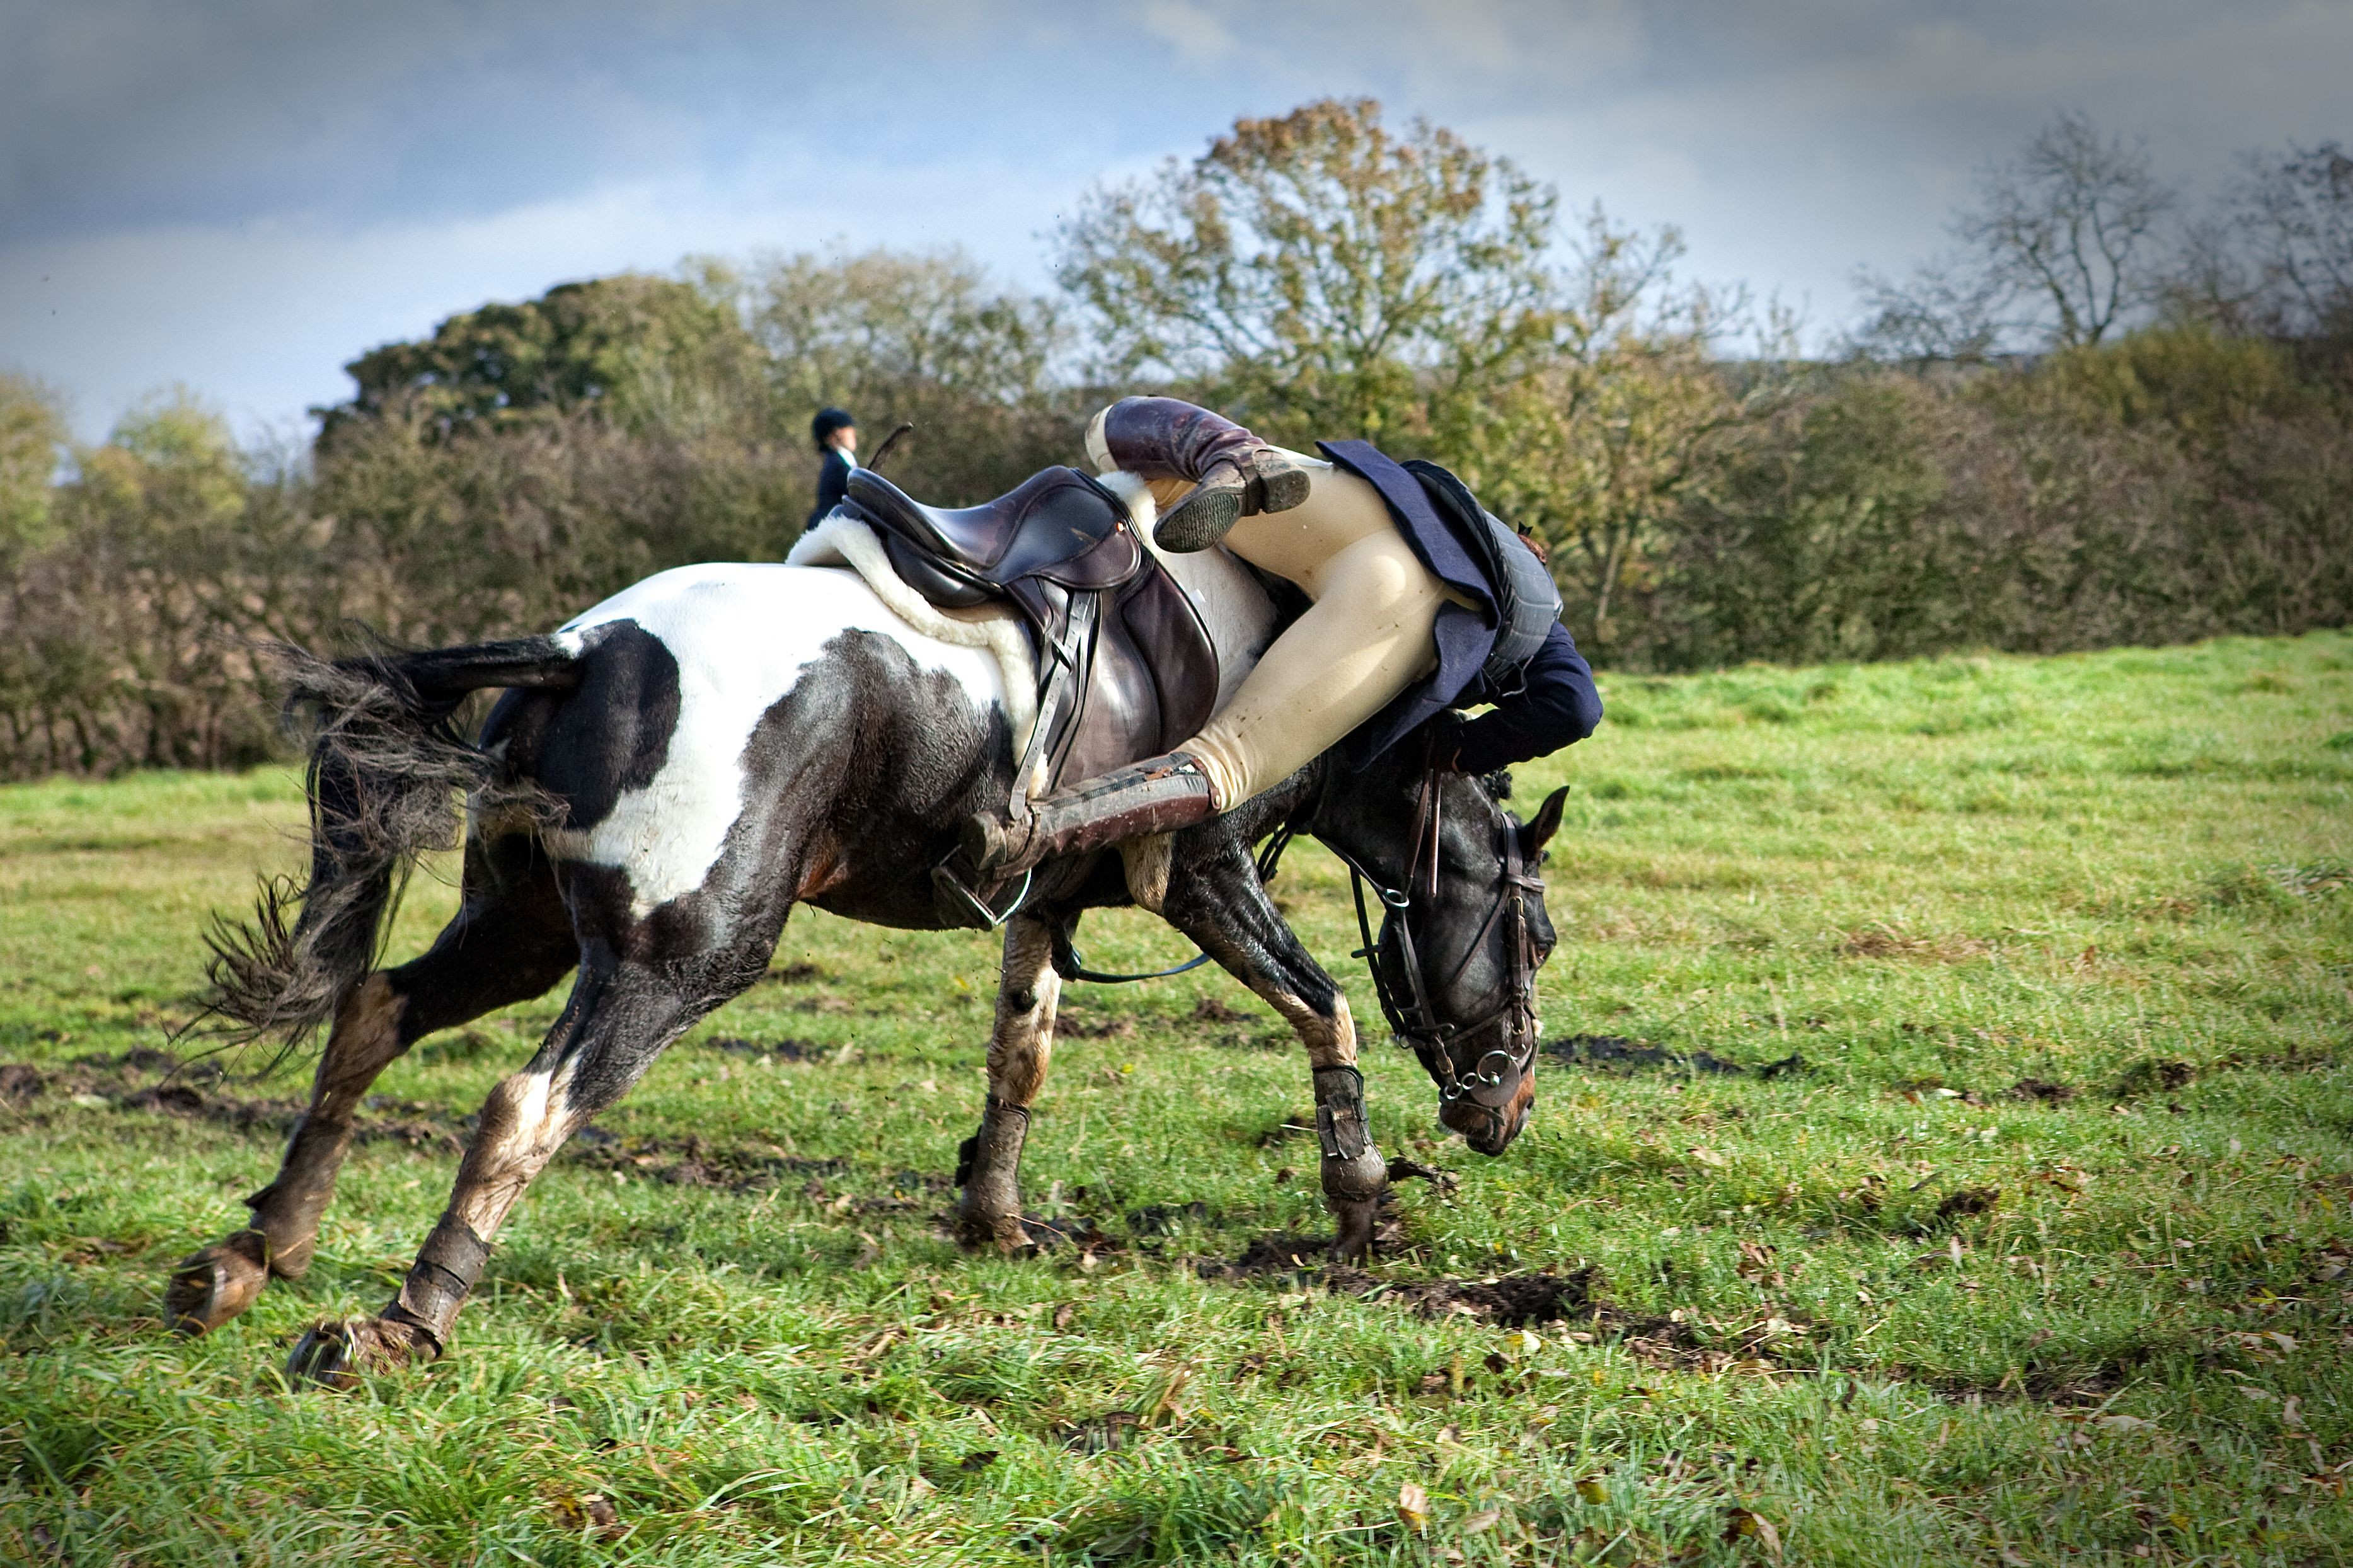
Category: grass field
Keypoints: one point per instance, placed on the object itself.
(2042, 1254)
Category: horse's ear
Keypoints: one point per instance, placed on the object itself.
(1538, 832)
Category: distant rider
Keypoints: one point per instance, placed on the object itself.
(1421, 604)
(836, 434)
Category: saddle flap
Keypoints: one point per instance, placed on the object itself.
(1175, 646)
(1150, 685)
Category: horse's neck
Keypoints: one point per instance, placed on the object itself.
(1370, 814)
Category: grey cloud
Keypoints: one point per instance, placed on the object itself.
(126, 111)
(1792, 141)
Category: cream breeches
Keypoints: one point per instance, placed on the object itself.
(1365, 639)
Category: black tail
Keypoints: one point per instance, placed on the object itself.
(386, 771)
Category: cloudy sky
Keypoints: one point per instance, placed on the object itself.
(242, 194)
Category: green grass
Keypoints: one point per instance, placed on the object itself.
(731, 1332)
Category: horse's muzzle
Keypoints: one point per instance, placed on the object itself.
(1490, 1128)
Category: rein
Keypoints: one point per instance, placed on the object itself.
(1415, 1021)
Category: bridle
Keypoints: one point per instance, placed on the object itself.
(1413, 1019)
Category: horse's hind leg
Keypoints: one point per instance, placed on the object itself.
(620, 1015)
(510, 941)
(988, 1167)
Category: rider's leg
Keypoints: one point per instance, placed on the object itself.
(1233, 474)
(1364, 640)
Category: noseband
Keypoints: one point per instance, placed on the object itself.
(1413, 1019)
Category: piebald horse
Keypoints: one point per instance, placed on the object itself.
(664, 778)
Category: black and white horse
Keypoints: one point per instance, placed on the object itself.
(663, 779)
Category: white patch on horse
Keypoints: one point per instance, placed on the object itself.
(741, 635)
(842, 540)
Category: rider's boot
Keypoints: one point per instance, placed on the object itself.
(1158, 795)
(1233, 473)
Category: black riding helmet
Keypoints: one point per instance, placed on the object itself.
(826, 422)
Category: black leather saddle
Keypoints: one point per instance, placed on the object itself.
(1125, 666)
(1060, 527)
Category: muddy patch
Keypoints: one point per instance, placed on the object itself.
(1077, 1234)
(1563, 1302)
(784, 1050)
(1964, 1203)
(192, 1092)
(2061, 1381)
(1617, 1055)
(1165, 1219)
(1506, 1300)
(2155, 1076)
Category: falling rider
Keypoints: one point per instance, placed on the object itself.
(1421, 604)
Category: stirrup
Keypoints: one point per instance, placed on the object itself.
(960, 905)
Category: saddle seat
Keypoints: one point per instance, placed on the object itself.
(1059, 526)
(1125, 666)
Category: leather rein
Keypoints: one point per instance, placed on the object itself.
(1413, 1019)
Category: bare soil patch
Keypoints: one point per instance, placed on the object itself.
(1887, 941)
(154, 1080)
(1617, 1054)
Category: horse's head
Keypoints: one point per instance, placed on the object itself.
(1463, 933)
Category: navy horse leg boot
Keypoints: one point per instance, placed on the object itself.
(1233, 473)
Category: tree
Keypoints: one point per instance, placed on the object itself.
(645, 351)
(2061, 245)
(831, 327)
(1324, 274)
(1596, 450)
(32, 434)
(1944, 312)
(929, 338)
(2293, 216)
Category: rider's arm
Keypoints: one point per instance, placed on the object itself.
(1557, 706)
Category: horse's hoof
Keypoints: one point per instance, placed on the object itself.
(1354, 1223)
(210, 1287)
(339, 1354)
(976, 1231)
(1352, 1249)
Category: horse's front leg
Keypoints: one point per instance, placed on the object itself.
(1214, 897)
(988, 1167)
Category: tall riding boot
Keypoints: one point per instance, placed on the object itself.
(1234, 474)
(1158, 795)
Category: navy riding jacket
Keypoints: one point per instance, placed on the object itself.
(1555, 703)
(832, 484)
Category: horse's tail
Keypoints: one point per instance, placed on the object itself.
(386, 769)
